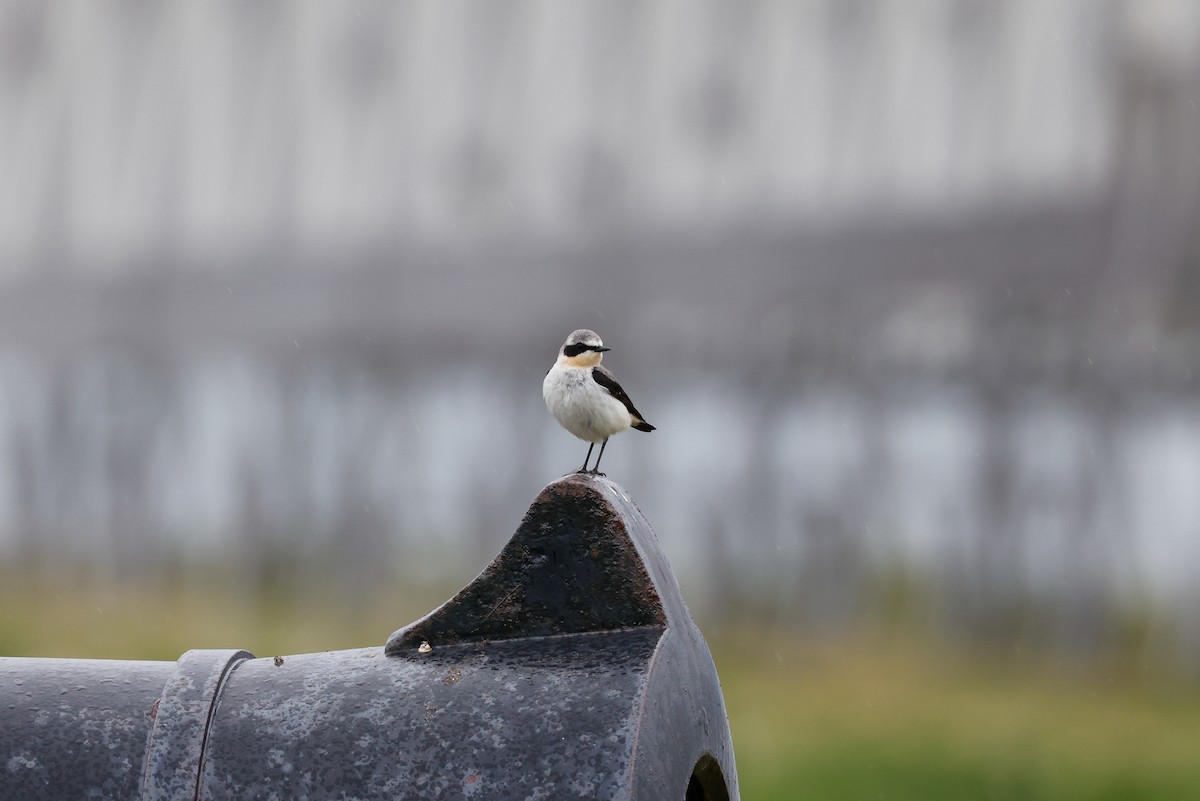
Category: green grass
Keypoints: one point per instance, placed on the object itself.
(880, 719)
(869, 716)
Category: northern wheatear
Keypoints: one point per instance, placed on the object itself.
(585, 398)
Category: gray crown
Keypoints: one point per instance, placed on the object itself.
(584, 336)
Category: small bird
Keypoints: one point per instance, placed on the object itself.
(585, 398)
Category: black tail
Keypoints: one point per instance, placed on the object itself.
(642, 425)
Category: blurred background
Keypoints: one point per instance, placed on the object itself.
(911, 289)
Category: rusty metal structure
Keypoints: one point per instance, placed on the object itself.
(569, 669)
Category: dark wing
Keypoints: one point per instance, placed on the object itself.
(604, 378)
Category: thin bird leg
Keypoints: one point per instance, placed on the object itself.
(596, 469)
(585, 459)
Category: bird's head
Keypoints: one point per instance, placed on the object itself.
(583, 348)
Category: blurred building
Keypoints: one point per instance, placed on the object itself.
(214, 128)
(911, 286)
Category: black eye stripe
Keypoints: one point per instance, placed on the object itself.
(576, 349)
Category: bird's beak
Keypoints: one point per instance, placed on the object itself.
(601, 350)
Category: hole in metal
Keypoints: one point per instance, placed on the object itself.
(707, 782)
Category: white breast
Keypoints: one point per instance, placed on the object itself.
(582, 406)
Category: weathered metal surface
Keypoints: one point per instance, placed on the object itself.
(76, 728)
(182, 722)
(507, 720)
(569, 669)
(577, 563)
